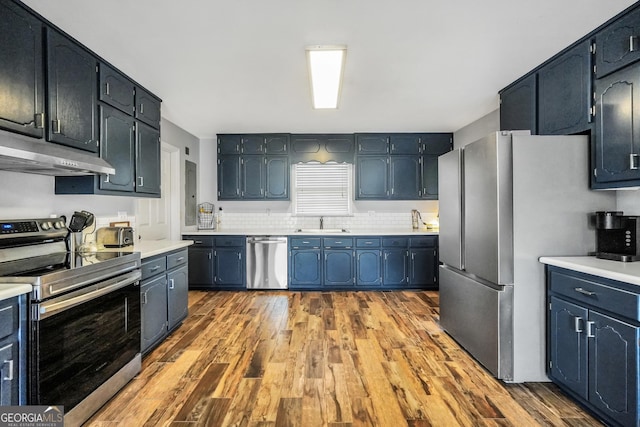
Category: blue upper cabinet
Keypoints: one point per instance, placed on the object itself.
(565, 92)
(322, 148)
(116, 89)
(22, 76)
(72, 107)
(518, 105)
(147, 108)
(262, 165)
(399, 166)
(618, 45)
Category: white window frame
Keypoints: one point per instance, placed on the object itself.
(313, 193)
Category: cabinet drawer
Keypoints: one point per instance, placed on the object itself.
(8, 318)
(367, 242)
(176, 259)
(305, 242)
(597, 292)
(204, 241)
(395, 242)
(153, 267)
(337, 242)
(230, 241)
(423, 242)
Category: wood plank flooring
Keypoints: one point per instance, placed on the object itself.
(270, 359)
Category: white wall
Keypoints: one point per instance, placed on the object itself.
(477, 129)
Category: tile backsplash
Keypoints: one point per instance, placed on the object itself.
(359, 221)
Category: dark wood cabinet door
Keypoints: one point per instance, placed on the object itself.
(617, 139)
(72, 94)
(518, 106)
(228, 177)
(253, 177)
(277, 177)
(565, 93)
(372, 177)
(568, 345)
(147, 108)
(613, 361)
(116, 89)
(21, 71)
(404, 177)
(147, 159)
(118, 148)
(618, 45)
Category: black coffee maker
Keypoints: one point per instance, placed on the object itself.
(617, 236)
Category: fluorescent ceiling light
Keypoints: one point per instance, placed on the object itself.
(326, 64)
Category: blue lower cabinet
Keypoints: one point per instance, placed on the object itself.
(593, 340)
(394, 267)
(339, 268)
(368, 267)
(229, 268)
(305, 268)
(423, 267)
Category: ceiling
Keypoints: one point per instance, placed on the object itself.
(412, 65)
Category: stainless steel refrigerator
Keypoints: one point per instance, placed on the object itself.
(504, 201)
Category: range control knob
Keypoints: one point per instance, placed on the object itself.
(45, 225)
(58, 225)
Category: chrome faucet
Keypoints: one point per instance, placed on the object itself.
(321, 223)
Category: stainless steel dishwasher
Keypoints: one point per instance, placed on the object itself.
(267, 262)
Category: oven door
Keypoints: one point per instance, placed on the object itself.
(79, 340)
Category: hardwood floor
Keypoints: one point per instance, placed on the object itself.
(268, 358)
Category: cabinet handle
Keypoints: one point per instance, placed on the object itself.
(632, 43)
(141, 179)
(39, 120)
(584, 292)
(171, 284)
(144, 298)
(576, 324)
(590, 325)
(180, 259)
(197, 242)
(56, 126)
(154, 268)
(106, 180)
(209, 255)
(141, 108)
(633, 164)
(9, 376)
(106, 88)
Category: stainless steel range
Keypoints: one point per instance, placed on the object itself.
(84, 316)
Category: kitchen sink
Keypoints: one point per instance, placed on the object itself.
(322, 230)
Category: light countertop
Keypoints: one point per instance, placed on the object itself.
(149, 248)
(628, 272)
(11, 290)
(328, 232)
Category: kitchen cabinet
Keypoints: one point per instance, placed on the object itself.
(618, 44)
(72, 107)
(368, 261)
(12, 351)
(118, 147)
(217, 262)
(617, 138)
(594, 335)
(399, 166)
(423, 262)
(338, 269)
(260, 172)
(147, 108)
(322, 148)
(164, 296)
(147, 159)
(518, 105)
(21, 71)
(116, 89)
(305, 266)
(565, 92)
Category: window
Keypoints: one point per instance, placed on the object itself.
(322, 189)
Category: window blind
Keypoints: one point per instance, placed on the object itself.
(322, 189)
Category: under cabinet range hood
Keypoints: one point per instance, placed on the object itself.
(44, 158)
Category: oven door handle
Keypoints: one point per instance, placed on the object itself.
(49, 308)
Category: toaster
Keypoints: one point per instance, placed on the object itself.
(114, 237)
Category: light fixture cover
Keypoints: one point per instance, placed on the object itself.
(326, 65)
